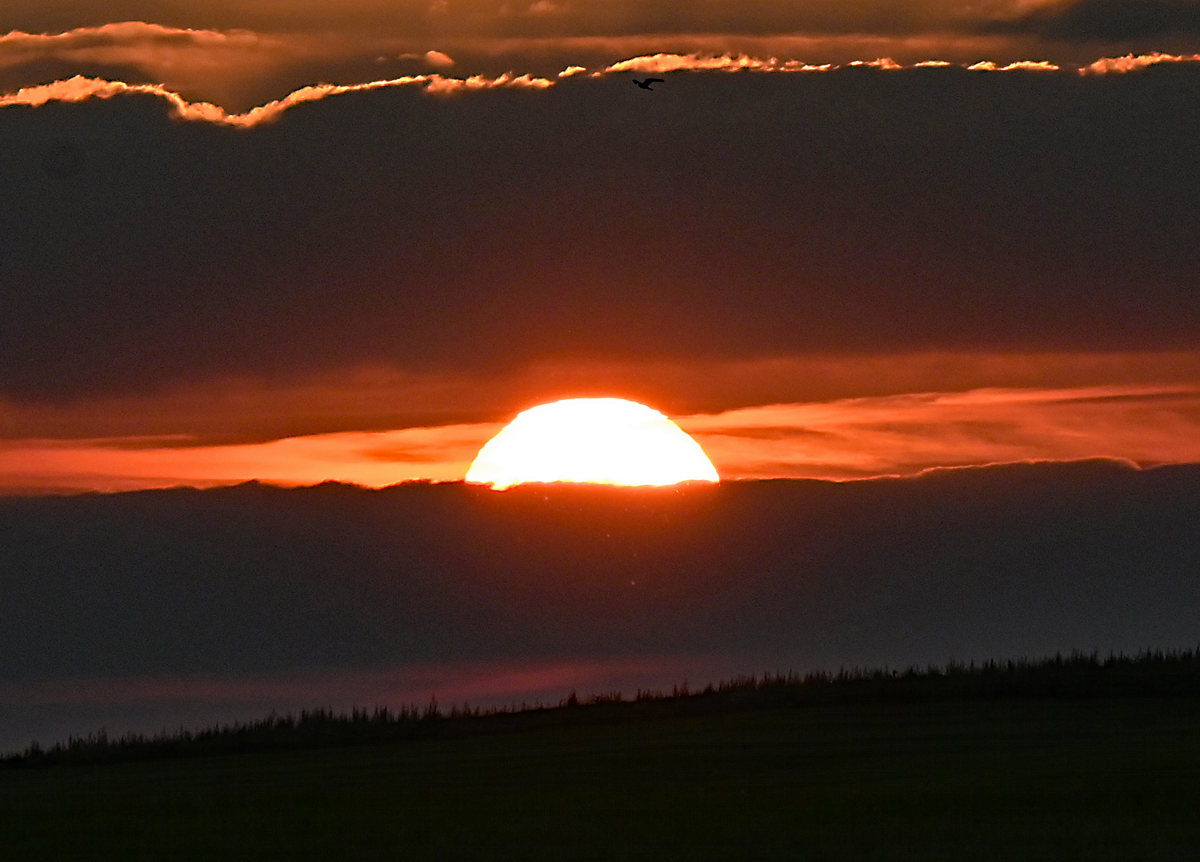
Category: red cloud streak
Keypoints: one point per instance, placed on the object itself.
(844, 439)
(80, 88)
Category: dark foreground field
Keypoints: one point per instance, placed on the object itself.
(1024, 778)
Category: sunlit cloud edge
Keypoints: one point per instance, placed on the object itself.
(82, 88)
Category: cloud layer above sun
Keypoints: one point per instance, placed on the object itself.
(731, 217)
(242, 54)
(203, 285)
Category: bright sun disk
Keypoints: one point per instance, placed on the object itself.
(606, 440)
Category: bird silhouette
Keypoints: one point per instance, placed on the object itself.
(645, 85)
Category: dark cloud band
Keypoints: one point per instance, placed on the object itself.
(1108, 20)
(727, 216)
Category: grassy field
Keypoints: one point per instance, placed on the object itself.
(1028, 779)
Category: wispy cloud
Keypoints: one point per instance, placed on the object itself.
(1018, 66)
(220, 63)
(743, 62)
(252, 409)
(1132, 63)
(79, 89)
(225, 66)
(702, 63)
(240, 60)
(841, 439)
(114, 42)
(374, 460)
(904, 434)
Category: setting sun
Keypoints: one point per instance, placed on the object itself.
(606, 440)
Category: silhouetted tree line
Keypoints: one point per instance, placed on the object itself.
(1157, 673)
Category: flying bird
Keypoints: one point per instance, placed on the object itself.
(645, 85)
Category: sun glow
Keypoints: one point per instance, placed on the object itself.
(606, 440)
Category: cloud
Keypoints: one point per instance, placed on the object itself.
(903, 434)
(692, 63)
(78, 89)
(439, 84)
(224, 63)
(1018, 66)
(1108, 20)
(373, 460)
(843, 439)
(439, 60)
(239, 410)
(662, 63)
(544, 7)
(1006, 214)
(16, 46)
(229, 67)
(1132, 63)
(742, 62)
(242, 61)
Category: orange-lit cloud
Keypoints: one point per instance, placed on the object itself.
(1132, 63)
(79, 88)
(696, 62)
(903, 434)
(242, 60)
(226, 66)
(229, 64)
(134, 41)
(701, 63)
(439, 59)
(741, 62)
(224, 411)
(220, 64)
(1018, 66)
(842, 439)
(371, 459)
(800, 48)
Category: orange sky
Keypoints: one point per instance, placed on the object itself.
(808, 417)
(203, 291)
(242, 54)
(242, 78)
(842, 439)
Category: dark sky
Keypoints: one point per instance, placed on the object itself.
(172, 594)
(1063, 19)
(729, 216)
(1011, 560)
